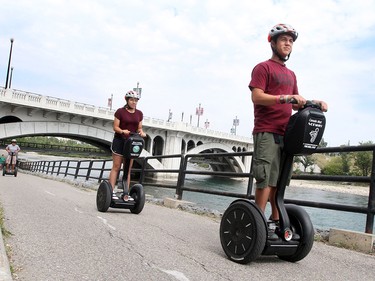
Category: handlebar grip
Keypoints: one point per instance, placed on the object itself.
(309, 103)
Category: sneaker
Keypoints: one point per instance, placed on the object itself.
(272, 225)
(114, 196)
(128, 198)
(272, 236)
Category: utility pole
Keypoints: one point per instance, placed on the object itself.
(199, 112)
(236, 122)
(10, 58)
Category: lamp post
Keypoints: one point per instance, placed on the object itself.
(206, 124)
(11, 75)
(236, 122)
(10, 58)
(138, 90)
(169, 116)
(199, 112)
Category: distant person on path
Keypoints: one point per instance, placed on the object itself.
(2, 161)
(12, 148)
(128, 120)
(272, 87)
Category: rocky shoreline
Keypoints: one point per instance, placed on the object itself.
(349, 188)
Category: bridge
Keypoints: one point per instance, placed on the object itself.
(29, 114)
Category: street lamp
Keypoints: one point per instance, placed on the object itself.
(236, 122)
(11, 75)
(138, 90)
(206, 124)
(169, 116)
(10, 58)
(199, 112)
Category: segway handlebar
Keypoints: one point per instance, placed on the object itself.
(309, 103)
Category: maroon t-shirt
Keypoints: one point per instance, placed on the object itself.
(128, 121)
(274, 79)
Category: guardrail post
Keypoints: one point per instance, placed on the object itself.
(142, 175)
(77, 169)
(371, 199)
(250, 182)
(181, 177)
(58, 169)
(53, 167)
(102, 171)
(89, 170)
(67, 168)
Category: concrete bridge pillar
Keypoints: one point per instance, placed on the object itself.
(174, 141)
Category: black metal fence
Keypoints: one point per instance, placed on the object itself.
(99, 170)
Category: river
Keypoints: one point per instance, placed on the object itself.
(322, 219)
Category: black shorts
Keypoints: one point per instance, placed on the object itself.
(117, 146)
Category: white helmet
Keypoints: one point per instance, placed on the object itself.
(132, 94)
(282, 28)
(14, 140)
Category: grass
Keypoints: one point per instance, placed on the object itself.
(6, 234)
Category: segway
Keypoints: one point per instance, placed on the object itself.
(244, 228)
(14, 173)
(132, 149)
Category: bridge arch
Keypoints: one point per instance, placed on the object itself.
(235, 164)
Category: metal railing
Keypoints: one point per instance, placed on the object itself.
(85, 169)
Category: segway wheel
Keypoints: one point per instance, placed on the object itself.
(301, 224)
(4, 171)
(138, 193)
(242, 232)
(104, 196)
(15, 171)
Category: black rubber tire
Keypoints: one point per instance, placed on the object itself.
(138, 194)
(104, 196)
(300, 223)
(15, 171)
(242, 232)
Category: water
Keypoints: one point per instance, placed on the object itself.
(321, 218)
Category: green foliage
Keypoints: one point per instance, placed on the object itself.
(363, 160)
(345, 162)
(305, 160)
(333, 166)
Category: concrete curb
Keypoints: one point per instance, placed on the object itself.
(5, 274)
(358, 241)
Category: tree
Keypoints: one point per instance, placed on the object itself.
(305, 160)
(333, 166)
(363, 160)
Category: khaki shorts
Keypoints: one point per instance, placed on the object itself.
(267, 159)
(12, 159)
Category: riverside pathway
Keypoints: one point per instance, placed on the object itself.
(57, 234)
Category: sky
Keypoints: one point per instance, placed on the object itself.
(194, 53)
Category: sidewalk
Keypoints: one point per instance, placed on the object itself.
(58, 234)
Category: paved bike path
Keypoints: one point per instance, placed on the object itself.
(57, 234)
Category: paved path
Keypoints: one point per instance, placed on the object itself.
(59, 235)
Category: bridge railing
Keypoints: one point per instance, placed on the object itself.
(34, 146)
(99, 170)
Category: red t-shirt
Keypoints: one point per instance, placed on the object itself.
(128, 121)
(274, 79)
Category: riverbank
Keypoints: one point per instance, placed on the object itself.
(348, 188)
